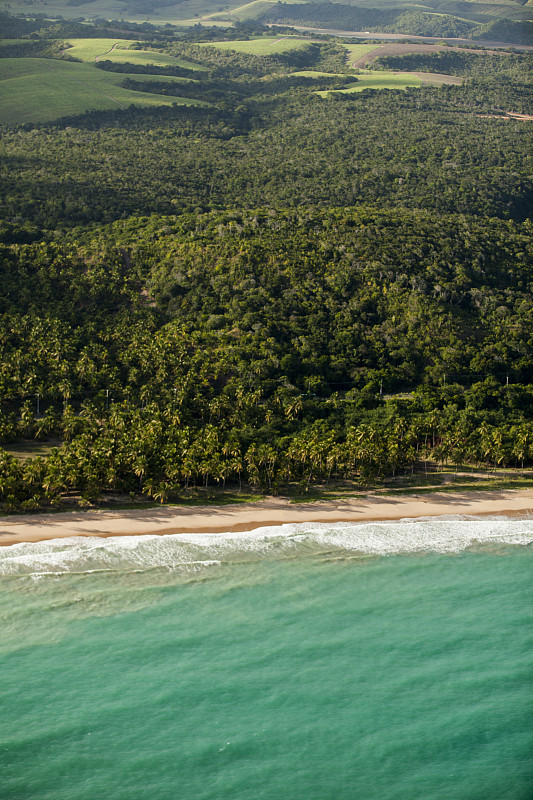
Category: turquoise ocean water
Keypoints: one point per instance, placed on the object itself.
(387, 661)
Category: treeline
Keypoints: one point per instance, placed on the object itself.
(39, 26)
(35, 48)
(146, 69)
(503, 82)
(226, 92)
(239, 30)
(407, 21)
(358, 18)
(150, 452)
(224, 65)
(495, 66)
(230, 64)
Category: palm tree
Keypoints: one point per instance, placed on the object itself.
(522, 443)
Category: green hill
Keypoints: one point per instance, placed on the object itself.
(39, 90)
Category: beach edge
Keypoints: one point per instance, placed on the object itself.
(272, 511)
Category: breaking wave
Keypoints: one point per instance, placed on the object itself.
(196, 552)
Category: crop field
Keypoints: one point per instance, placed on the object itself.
(118, 50)
(262, 45)
(41, 90)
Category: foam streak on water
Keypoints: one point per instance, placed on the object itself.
(191, 552)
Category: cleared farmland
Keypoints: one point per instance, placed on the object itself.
(401, 49)
(262, 45)
(357, 52)
(41, 90)
(119, 50)
(250, 10)
(367, 79)
(219, 12)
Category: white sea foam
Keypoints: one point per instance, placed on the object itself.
(193, 552)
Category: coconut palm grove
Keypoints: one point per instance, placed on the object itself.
(258, 278)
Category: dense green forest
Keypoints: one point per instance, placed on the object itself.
(384, 20)
(274, 289)
(448, 20)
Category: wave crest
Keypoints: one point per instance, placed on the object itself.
(193, 552)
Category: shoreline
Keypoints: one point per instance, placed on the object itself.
(269, 512)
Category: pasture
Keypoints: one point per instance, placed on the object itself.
(262, 45)
(383, 80)
(251, 10)
(367, 79)
(221, 12)
(108, 9)
(42, 90)
(190, 10)
(355, 52)
(119, 50)
(247, 11)
(402, 49)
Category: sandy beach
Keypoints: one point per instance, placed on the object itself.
(267, 512)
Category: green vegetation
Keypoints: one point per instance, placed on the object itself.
(494, 485)
(503, 30)
(213, 278)
(506, 22)
(356, 51)
(172, 352)
(437, 18)
(38, 90)
(368, 79)
(356, 18)
(122, 52)
(262, 45)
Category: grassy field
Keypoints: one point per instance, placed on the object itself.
(378, 80)
(231, 13)
(266, 45)
(41, 90)
(253, 9)
(262, 45)
(355, 51)
(31, 448)
(191, 12)
(109, 9)
(118, 50)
